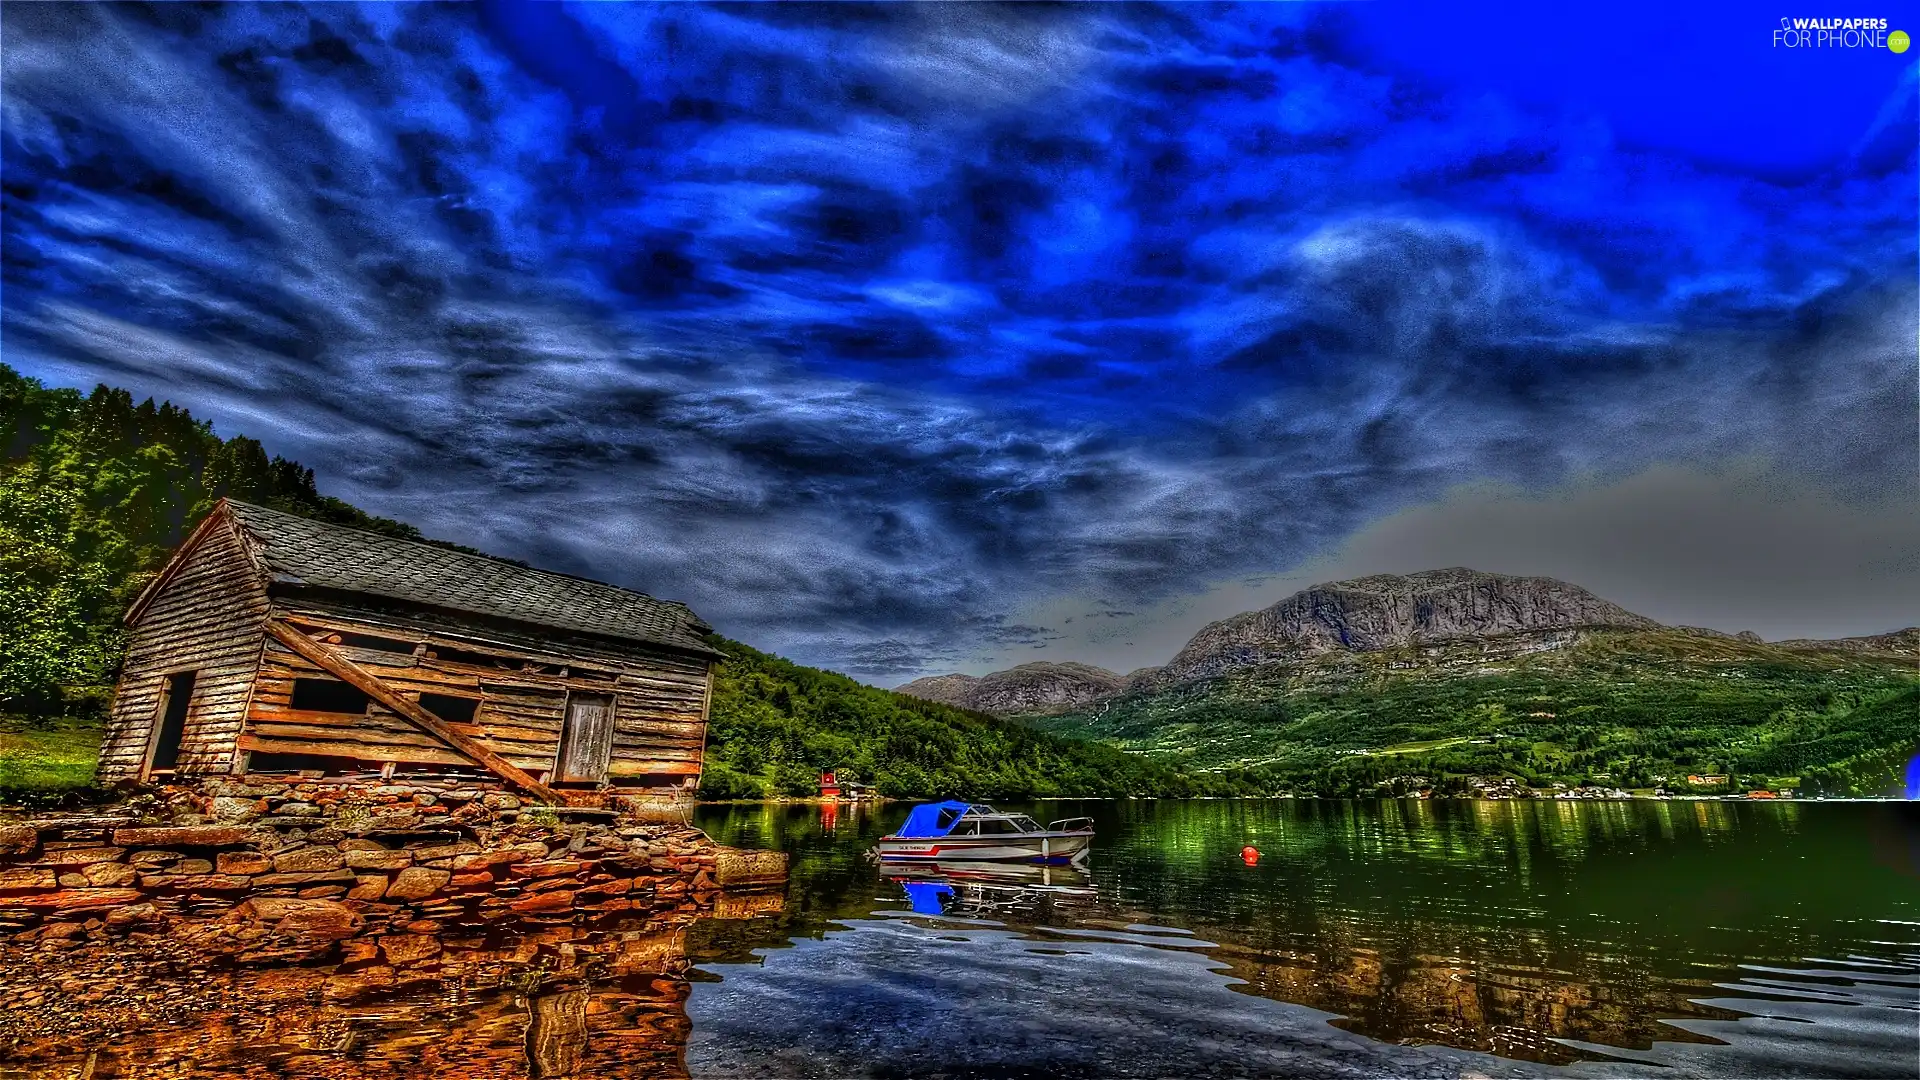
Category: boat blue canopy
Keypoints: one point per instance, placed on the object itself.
(933, 819)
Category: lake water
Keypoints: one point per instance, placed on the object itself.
(1387, 938)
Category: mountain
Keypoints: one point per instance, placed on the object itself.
(1037, 687)
(1897, 643)
(1433, 607)
(1454, 615)
(1450, 677)
(1359, 615)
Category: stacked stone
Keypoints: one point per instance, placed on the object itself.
(342, 860)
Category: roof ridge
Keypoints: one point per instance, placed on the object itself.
(444, 550)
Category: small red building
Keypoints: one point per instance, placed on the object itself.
(829, 784)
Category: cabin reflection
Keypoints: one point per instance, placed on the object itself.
(557, 1002)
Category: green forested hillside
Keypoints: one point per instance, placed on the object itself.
(1628, 709)
(776, 724)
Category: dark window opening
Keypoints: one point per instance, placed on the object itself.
(454, 710)
(173, 720)
(328, 695)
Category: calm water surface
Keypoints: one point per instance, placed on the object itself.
(1372, 938)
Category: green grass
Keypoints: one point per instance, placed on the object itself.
(46, 757)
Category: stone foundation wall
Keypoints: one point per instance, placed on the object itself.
(300, 863)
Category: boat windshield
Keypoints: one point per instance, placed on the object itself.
(1004, 824)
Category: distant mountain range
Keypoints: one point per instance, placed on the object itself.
(1456, 680)
(1028, 688)
(1432, 608)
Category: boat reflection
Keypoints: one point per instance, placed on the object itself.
(990, 890)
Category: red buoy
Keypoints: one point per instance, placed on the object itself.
(1250, 854)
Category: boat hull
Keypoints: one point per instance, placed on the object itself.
(1047, 847)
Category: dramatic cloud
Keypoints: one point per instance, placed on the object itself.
(894, 337)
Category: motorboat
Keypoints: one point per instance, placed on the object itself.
(958, 831)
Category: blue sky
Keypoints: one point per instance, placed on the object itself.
(916, 338)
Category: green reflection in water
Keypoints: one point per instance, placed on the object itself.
(1486, 925)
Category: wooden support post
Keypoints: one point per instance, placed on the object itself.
(369, 684)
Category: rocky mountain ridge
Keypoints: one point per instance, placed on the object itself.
(1897, 643)
(1036, 687)
(1450, 608)
(1389, 610)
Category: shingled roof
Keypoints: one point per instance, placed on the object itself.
(304, 552)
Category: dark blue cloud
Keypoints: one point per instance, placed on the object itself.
(865, 324)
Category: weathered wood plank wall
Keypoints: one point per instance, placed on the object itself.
(660, 701)
(210, 619)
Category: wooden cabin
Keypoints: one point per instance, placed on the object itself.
(275, 643)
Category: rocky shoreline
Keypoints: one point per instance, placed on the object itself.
(177, 905)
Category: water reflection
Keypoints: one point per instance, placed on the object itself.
(1545, 932)
(990, 890)
(520, 1000)
(1391, 938)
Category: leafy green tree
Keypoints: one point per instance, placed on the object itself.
(95, 492)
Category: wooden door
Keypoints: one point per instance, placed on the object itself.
(587, 742)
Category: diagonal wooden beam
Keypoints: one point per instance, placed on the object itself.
(371, 685)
